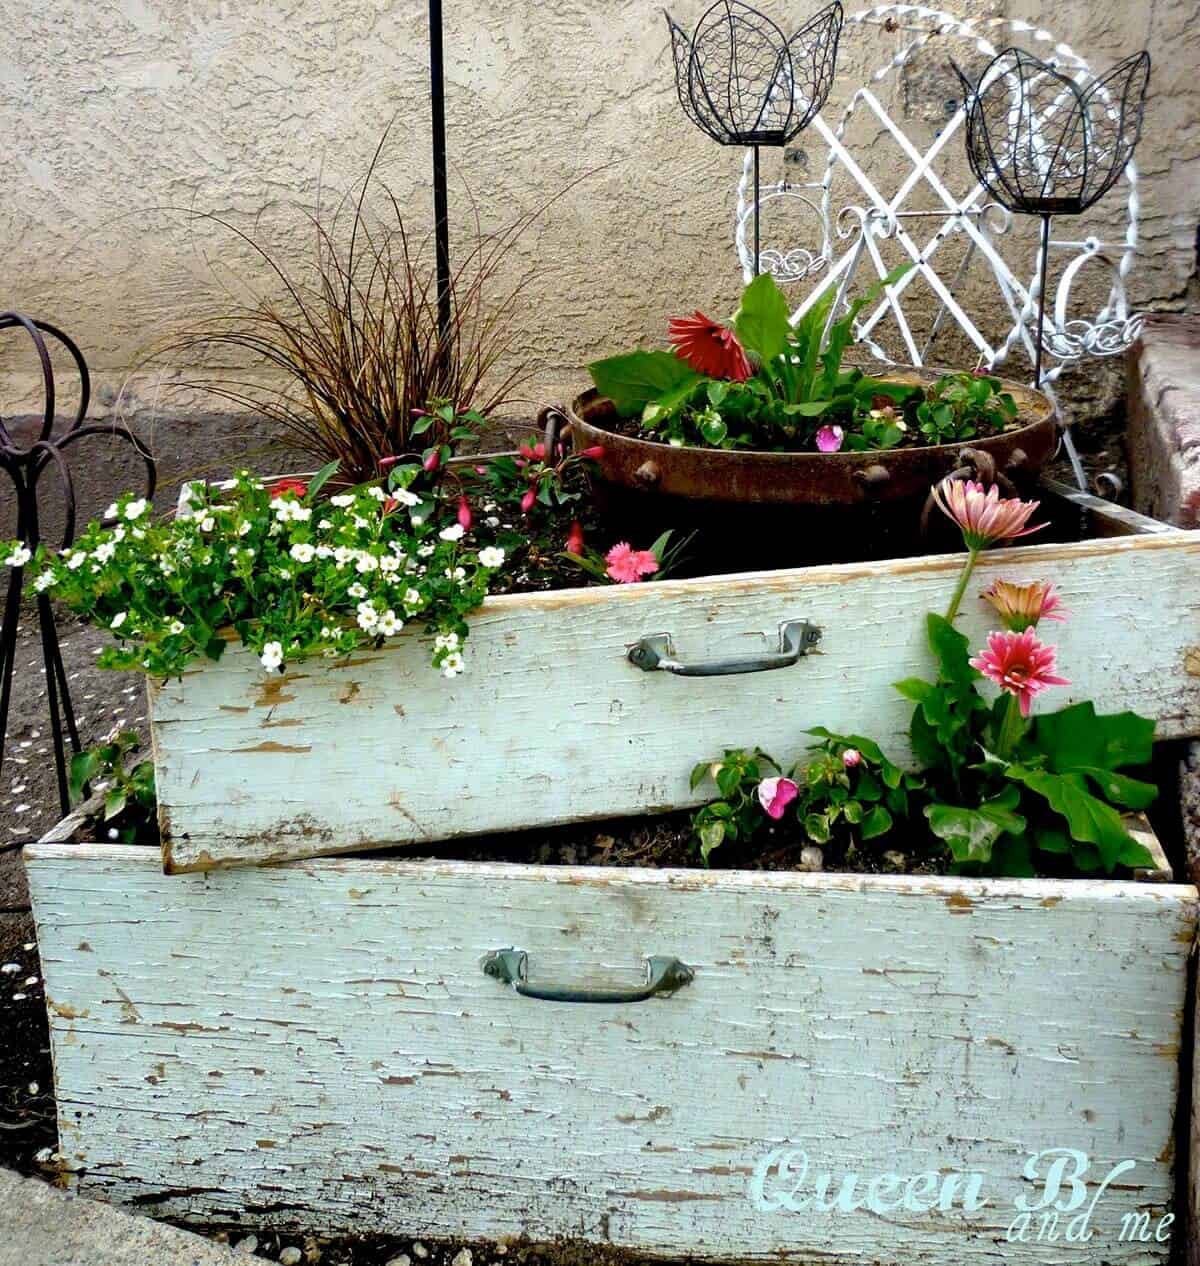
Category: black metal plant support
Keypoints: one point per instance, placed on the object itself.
(441, 199)
(743, 82)
(1044, 146)
(25, 467)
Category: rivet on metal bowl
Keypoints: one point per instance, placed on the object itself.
(873, 479)
(648, 474)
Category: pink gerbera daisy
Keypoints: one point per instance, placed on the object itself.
(984, 516)
(1021, 606)
(1019, 664)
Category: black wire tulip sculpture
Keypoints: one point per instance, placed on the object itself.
(744, 82)
(1044, 145)
(25, 466)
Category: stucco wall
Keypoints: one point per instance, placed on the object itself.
(124, 117)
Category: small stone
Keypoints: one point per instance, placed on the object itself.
(811, 858)
(462, 1258)
(420, 1249)
(402, 1260)
(290, 1256)
(895, 861)
(10, 969)
(247, 1245)
(43, 1157)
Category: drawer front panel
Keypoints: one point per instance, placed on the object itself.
(552, 723)
(318, 1046)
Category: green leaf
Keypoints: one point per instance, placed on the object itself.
(816, 827)
(1076, 738)
(878, 822)
(1129, 793)
(713, 429)
(761, 323)
(853, 811)
(1052, 840)
(320, 479)
(952, 651)
(422, 424)
(635, 379)
(700, 773)
(712, 835)
(972, 833)
(1090, 820)
(115, 800)
(1013, 856)
(1137, 856)
(83, 766)
(728, 779)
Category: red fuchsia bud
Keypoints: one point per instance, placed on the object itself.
(527, 501)
(539, 451)
(852, 758)
(464, 514)
(420, 413)
(575, 539)
(386, 463)
(481, 470)
(432, 462)
(525, 450)
(520, 463)
(595, 452)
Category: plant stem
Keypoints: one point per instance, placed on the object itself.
(961, 587)
(1011, 730)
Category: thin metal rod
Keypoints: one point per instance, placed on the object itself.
(757, 249)
(441, 201)
(1043, 273)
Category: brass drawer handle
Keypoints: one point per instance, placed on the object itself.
(657, 654)
(663, 976)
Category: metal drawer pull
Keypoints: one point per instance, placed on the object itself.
(663, 976)
(656, 654)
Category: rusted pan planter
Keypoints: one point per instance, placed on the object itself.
(569, 709)
(836, 1068)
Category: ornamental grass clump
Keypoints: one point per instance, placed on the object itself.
(350, 339)
(292, 575)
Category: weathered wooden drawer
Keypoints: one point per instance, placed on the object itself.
(552, 723)
(316, 1045)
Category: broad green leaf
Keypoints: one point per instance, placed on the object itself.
(700, 773)
(114, 802)
(1077, 738)
(972, 833)
(1090, 820)
(635, 379)
(83, 766)
(878, 822)
(1129, 793)
(1136, 856)
(952, 651)
(320, 479)
(808, 408)
(1052, 840)
(853, 812)
(711, 836)
(816, 827)
(714, 430)
(761, 323)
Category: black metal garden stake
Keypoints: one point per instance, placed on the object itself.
(743, 82)
(1044, 146)
(25, 467)
(441, 200)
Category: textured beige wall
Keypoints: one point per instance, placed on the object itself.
(122, 116)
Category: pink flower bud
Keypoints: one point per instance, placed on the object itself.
(464, 514)
(420, 413)
(852, 758)
(527, 501)
(481, 470)
(575, 539)
(432, 461)
(775, 794)
(829, 439)
(595, 452)
(526, 450)
(539, 451)
(386, 463)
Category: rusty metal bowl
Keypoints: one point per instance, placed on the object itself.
(812, 480)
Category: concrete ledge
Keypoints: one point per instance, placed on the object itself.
(1164, 420)
(42, 1226)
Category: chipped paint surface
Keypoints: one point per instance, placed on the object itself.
(551, 723)
(317, 1046)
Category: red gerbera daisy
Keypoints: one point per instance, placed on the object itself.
(709, 348)
(296, 486)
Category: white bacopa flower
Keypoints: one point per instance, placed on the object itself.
(175, 628)
(360, 523)
(324, 551)
(135, 509)
(357, 591)
(389, 623)
(412, 598)
(207, 523)
(119, 619)
(285, 573)
(343, 554)
(406, 498)
(446, 642)
(456, 573)
(243, 527)
(76, 560)
(452, 533)
(342, 500)
(426, 550)
(272, 656)
(368, 617)
(327, 631)
(366, 564)
(389, 564)
(377, 492)
(19, 556)
(302, 552)
(452, 665)
(492, 556)
(118, 533)
(44, 581)
(113, 511)
(324, 525)
(418, 519)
